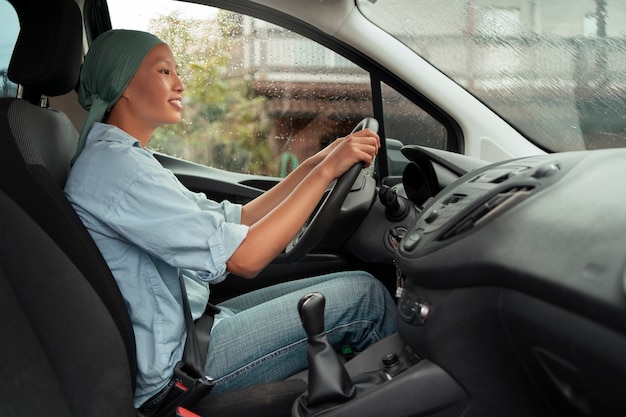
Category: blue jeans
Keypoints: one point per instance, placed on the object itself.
(259, 336)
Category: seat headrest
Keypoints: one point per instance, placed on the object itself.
(48, 51)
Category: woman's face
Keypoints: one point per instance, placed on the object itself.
(154, 94)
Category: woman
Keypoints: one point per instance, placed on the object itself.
(150, 228)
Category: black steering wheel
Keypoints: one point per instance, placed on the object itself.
(320, 221)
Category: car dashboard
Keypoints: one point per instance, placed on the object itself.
(515, 284)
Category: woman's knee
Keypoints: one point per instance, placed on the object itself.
(370, 285)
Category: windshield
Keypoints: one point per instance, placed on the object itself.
(554, 69)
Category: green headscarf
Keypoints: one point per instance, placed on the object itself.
(112, 61)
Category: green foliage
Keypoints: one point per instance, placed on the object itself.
(223, 124)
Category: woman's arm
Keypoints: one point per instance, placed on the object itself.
(263, 204)
(260, 206)
(289, 206)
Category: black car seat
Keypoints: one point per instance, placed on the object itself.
(60, 352)
(37, 143)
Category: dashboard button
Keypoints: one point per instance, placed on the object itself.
(432, 216)
(411, 240)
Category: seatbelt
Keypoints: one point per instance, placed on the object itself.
(193, 357)
(202, 328)
(191, 382)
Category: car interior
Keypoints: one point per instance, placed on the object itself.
(510, 277)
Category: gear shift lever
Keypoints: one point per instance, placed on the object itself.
(311, 310)
(329, 382)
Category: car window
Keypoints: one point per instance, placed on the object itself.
(9, 28)
(555, 70)
(260, 98)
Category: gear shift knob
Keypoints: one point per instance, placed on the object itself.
(311, 310)
(329, 382)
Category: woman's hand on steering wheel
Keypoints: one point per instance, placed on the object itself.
(360, 146)
(362, 141)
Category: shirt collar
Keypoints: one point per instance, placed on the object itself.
(110, 133)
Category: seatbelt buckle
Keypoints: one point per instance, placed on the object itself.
(186, 374)
(183, 412)
(189, 387)
(192, 384)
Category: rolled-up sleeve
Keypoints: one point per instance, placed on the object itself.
(222, 245)
(184, 229)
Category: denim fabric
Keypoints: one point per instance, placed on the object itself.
(258, 336)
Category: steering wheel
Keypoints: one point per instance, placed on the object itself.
(320, 221)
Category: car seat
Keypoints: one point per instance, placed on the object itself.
(60, 350)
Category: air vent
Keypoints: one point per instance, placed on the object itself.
(487, 209)
(454, 199)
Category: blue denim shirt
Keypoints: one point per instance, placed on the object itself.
(149, 227)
